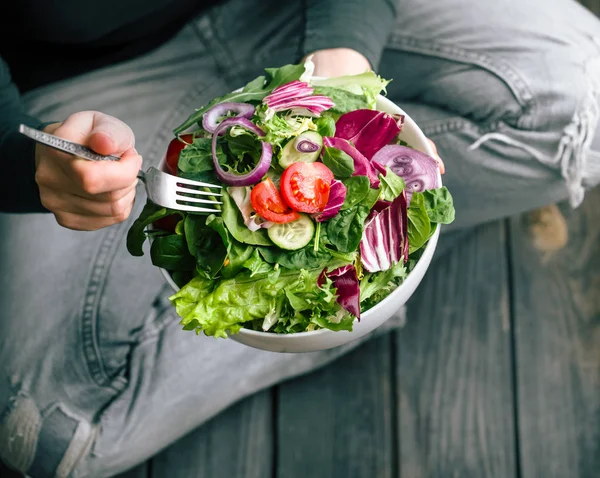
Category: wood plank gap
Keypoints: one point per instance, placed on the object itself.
(395, 464)
(275, 429)
(512, 317)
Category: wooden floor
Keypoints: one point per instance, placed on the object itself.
(496, 374)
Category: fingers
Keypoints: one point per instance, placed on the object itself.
(117, 207)
(437, 157)
(103, 133)
(80, 222)
(91, 178)
(89, 195)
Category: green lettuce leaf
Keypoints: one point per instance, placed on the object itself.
(374, 287)
(232, 302)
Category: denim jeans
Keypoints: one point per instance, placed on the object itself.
(95, 372)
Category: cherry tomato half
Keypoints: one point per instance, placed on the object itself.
(267, 203)
(305, 186)
(167, 223)
(175, 147)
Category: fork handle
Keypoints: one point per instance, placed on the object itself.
(64, 145)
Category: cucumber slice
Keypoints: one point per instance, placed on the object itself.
(289, 154)
(292, 235)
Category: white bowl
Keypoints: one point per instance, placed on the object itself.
(371, 319)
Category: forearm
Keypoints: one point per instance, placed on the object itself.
(360, 25)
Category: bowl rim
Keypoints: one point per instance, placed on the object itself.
(427, 148)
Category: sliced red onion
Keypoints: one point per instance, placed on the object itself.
(252, 177)
(241, 197)
(419, 170)
(346, 283)
(337, 196)
(297, 95)
(211, 117)
(362, 166)
(368, 130)
(385, 237)
(307, 146)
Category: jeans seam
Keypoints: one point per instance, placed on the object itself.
(104, 257)
(502, 70)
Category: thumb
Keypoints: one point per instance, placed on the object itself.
(103, 133)
(110, 135)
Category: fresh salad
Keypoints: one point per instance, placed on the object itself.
(325, 210)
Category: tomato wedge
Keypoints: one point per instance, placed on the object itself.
(305, 186)
(167, 223)
(175, 147)
(267, 203)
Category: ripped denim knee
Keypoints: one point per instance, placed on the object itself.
(577, 155)
(43, 443)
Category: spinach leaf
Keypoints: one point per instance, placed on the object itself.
(357, 188)
(340, 163)
(197, 157)
(136, 234)
(237, 253)
(419, 225)
(234, 222)
(438, 204)
(305, 258)
(372, 198)
(244, 144)
(346, 228)
(326, 126)
(344, 101)
(391, 186)
(280, 76)
(205, 244)
(171, 253)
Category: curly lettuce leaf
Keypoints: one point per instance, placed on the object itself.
(223, 308)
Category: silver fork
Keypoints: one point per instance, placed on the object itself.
(162, 188)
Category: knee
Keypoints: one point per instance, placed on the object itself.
(42, 442)
(558, 128)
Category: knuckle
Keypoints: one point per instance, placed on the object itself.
(66, 221)
(43, 175)
(48, 200)
(90, 182)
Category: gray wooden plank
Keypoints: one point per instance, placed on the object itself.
(557, 326)
(236, 443)
(337, 422)
(140, 471)
(454, 388)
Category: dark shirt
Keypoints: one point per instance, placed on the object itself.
(85, 35)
